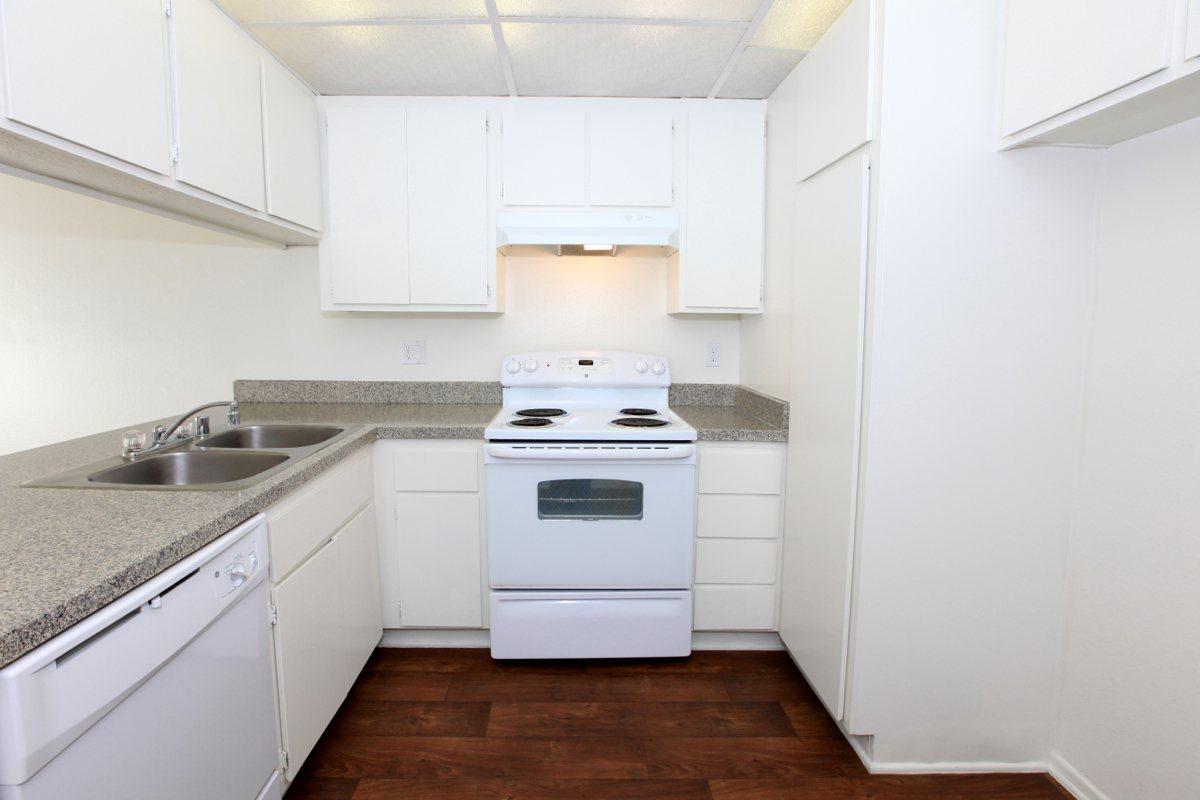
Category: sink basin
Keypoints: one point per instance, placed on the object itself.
(269, 437)
(189, 468)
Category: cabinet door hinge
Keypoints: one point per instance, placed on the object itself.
(272, 614)
(283, 760)
(167, 7)
(400, 613)
(487, 125)
(174, 154)
(489, 290)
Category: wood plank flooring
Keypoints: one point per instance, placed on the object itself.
(455, 725)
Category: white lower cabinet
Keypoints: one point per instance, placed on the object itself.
(327, 617)
(431, 542)
(739, 511)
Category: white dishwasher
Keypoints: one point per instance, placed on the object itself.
(167, 692)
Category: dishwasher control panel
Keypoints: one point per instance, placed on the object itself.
(235, 568)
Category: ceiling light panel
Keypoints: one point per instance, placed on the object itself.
(391, 59)
(251, 11)
(729, 10)
(797, 24)
(758, 71)
(617, 60)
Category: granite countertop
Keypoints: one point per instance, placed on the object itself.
(66, 553)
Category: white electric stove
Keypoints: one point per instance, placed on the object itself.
(590, 509)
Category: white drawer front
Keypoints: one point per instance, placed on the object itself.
(735, 608)
(738, 516)
(300, 523)
(443, 468)
(741, 470)
(735, 561)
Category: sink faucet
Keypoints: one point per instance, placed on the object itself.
(162, 435)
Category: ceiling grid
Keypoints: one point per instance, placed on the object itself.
(558, 48)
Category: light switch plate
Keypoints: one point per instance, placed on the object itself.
(412, 351)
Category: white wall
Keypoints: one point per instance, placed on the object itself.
(1130, 700)
(110, 316)
(766, 338)
(974, 386)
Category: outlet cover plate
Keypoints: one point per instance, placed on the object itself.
(412, 351)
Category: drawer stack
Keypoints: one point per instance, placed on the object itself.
(738, 517)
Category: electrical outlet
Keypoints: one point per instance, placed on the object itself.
(412, 351)
(713, 356)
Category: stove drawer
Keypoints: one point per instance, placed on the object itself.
(591, 624)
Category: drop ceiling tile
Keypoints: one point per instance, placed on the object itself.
(617, 60)
(797, 24)
(250, 11)
(758, 71)
(734, 10)
(390, 59)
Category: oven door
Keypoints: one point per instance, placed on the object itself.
(576, 523)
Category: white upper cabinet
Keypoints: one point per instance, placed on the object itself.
(365, 248)
(93, 73)
(1060, 54)
(835, 82)
(219, 104)
(631, 158)
(1192, 45)
(448, 205)
(545, 157)
(291, 146)
(718, 268)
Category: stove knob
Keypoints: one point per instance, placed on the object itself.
(530, 365)
(659, 368)
(513, 366)
(641, 366)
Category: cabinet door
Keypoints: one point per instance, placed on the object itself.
(291, 147)
(722, 253)
(93, 73)
(1059, 54)
(358, 591)
(310, 651)
(365, 246)
(822, 476)
(631, 156)
(447, 205)
(218, 100)
(439, 555)
(835, 86)
(545, 157)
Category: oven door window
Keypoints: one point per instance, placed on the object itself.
(590, 499)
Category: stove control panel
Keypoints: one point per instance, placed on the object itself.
(585, 368)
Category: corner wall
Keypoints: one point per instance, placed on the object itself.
(1129, 720)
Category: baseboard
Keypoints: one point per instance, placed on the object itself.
(951, 767)
(458, 637)
(1073, 780)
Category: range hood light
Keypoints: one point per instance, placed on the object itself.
(599, 247)
(586, 250)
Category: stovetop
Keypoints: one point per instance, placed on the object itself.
(587, 395)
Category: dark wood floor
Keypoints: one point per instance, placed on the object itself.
(449, 724)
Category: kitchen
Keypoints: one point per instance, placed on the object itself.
(906, 284)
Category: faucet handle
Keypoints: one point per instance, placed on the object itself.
(235, 415)
(133, 442)
(201, 427)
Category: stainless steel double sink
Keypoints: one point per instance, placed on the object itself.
(233, 459)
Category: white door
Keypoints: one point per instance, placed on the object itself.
(218, 100)
(93, 73)
(722, 252)
(834, 84)
(631, 158)
(545, 157)
(310, 651)
(358, 590)
(291, 147)
(365, 246)
(828, 282)
(1193, 30)
(1059, 54)
(439, 554)
(447, 205)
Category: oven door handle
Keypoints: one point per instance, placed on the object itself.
(590, 452)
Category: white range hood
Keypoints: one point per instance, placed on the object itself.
(607, 233)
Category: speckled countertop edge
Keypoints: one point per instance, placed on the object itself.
(39, 594)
